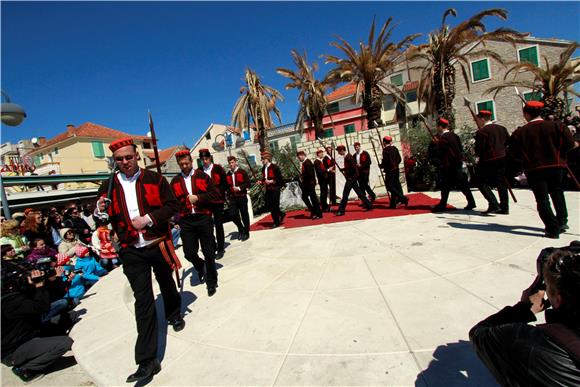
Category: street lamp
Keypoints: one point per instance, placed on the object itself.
(218, 147)
(11, 113)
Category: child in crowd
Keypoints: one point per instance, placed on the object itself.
(92, 271)
(103, 244)
(8, 253)
(39, 249)
(75, 282)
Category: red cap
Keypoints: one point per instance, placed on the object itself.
(534, 105)
(118, 144)
(230, 158)
(484, 113)
(341, 148)
(442, 121)
(387, 139)
(266, 155)
(357, 143)
(182, 153)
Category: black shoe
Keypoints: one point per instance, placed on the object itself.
(503, 211)
(439, 208)
(275, 225)
(492, 210)
(564, 228)
(145, 371)
(201, 276)
(178, 323)
(405, 201)
(282, 217)
(240, 235)
(211, 290)
(372, 199)
(551, 235)
(339, 213)
(220, 254)
(469, 206)
(369, 208)
(245, 236)
(26, 375)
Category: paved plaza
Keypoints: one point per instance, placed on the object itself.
(385, 301)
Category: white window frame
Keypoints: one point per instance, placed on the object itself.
(486, 100)
(471, 70)
(402, 73)
(518, 49)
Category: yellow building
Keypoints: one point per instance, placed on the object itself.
(81, 150)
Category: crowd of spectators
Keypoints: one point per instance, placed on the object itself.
(49, 260)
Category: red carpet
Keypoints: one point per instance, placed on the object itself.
(418, 204)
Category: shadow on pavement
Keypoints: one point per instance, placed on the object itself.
(494, 227)
(187, 298)
(455, 364)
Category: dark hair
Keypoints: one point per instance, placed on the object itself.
(35, 242)
(6, 248)
(562, 271)
(533, 112)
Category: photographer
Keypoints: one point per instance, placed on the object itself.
(519, 354)
(26, 344)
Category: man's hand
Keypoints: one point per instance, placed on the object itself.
(192, 198)
(140, 222)
(59, 271)
(534, 296)
(237, 189)
(33, 275)
(269, 181)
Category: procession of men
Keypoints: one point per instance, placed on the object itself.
(139, 203)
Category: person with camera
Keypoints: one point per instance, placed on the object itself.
(519, 354)
(27, 346)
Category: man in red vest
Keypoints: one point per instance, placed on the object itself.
(238, 185)
(141, 203)
(308, 185)
(363, 163)
(273, 181)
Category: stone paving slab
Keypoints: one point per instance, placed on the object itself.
(377, 302)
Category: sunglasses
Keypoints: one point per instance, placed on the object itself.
(127, 158)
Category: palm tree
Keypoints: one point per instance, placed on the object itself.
(551, 81)
(368, 67)
(312, 97)
(448, 46)
(257, 102)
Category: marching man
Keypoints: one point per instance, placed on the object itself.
(308, 180)
(238, 184)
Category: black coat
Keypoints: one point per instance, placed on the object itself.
(491, 142)
(274, 174)
(391, 159)
(307, 174)
(447, 150)
(350, 168)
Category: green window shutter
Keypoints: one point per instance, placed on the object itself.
(294, 143)
(349, 128)
(529, 54)
(328, 133)
(274, 146)
(55, 151)
(533, 96)
(252, 160)
(480, 70)
(98, 149)
(332, 108)
(487, 105)
(397, 80)
(411, 96)
(388, 103)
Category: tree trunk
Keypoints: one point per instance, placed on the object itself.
(444, 106)
(372, 104)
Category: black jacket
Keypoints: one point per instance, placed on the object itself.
(519, 354)
(275, 175)
(21, 314)
(350, 168)
(307, 174)
(491, 142)
(447, 149)
(391, 159)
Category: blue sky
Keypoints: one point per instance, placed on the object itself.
(108, 62)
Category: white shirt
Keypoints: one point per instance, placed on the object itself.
(537, 119)
(357, 155)
(234, 176)
(130, 192)
(187, 179)
(266, 171)
(208, 169)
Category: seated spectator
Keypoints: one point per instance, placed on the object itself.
(69, 243)
(54, 224)
(87, 216)
(34, 228)
(10, 235)
(103, 245)
(8, 253)
(519, 354)
(27, 346)
(92, 271)
(80, 227)
(39, 249)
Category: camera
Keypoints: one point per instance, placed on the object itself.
(543, 258)
(44, 265)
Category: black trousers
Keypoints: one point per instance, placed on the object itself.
(324, 185)
(452, 177)
(363, 182)
(273, 204)
(137, 265)
(332, 187)
(197, 229)
(309, 198)
(394, 187)
(348, 186)
(545, 184)
(489, 174)
(39, 353)
(239, 210)
(218, 221)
